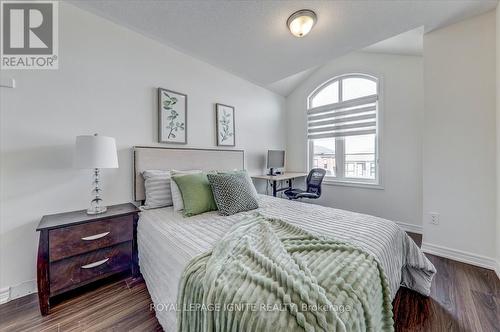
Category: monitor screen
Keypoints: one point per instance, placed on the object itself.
(275, 158)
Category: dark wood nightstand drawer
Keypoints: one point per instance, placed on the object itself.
(74, 240)
(77, 249)
(78, 270)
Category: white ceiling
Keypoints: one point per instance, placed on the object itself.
(285, 86)
(250, 38)
(407, 43)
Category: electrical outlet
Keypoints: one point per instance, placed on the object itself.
(434, 218)
(7, 83)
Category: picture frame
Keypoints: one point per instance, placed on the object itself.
(172, 117)
(225, 125)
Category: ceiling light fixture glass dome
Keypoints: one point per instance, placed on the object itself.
(301, 22)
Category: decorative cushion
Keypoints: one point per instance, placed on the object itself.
(157, 187)
(233, 192)
(242, 171)
(196, 194)
(176, 194)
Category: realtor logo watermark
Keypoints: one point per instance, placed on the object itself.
(29, 33)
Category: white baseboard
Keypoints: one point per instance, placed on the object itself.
(410, 227)
(497, 269)
(461, 256)
(13, 292)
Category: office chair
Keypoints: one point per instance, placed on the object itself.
(313, 191)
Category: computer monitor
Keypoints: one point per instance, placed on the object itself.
(275, 159)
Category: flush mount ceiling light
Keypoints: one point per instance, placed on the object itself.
(301, 22)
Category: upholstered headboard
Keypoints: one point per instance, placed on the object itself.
(148, 158)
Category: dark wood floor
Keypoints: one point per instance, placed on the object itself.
(122, 305)
(463, 298)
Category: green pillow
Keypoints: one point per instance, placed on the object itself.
(196, 193)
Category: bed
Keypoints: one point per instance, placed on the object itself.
(167, 241)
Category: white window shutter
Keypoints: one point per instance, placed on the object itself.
(347, 118)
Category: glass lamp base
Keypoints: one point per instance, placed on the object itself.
(95, 204)
(97, 210)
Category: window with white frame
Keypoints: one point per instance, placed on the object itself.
(342, 128)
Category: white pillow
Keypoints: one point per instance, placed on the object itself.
(176, 193)
(157, 185)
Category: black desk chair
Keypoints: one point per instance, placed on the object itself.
(313, 191)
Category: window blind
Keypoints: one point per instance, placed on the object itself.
(347, 118)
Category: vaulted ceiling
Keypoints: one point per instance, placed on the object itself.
(250, 38)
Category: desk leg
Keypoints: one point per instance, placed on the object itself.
(274, 187)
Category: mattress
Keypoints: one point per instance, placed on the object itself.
(167, 241)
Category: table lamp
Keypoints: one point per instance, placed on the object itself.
(95, 152)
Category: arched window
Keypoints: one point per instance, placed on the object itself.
(342, 128)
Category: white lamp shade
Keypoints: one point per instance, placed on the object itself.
(93, 151)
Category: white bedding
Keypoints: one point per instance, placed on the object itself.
(168, 241)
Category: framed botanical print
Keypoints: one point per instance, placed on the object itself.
(172, 117)
(224, 118)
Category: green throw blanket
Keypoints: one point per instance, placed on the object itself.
(267, 275)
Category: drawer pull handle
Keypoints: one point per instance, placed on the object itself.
(95, 237)
(91, 265)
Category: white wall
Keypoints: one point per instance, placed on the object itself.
(459, 150)
(107, 84)
(498, 138)
(401, 166)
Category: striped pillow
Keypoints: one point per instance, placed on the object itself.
(157, 186)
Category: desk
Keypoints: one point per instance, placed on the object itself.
(288, 176)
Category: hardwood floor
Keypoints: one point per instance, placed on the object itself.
(122, 305)
(463, 298)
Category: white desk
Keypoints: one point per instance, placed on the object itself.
(288, 176)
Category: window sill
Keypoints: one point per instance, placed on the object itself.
(354, 184)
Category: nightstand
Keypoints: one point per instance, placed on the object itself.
(76, 249)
